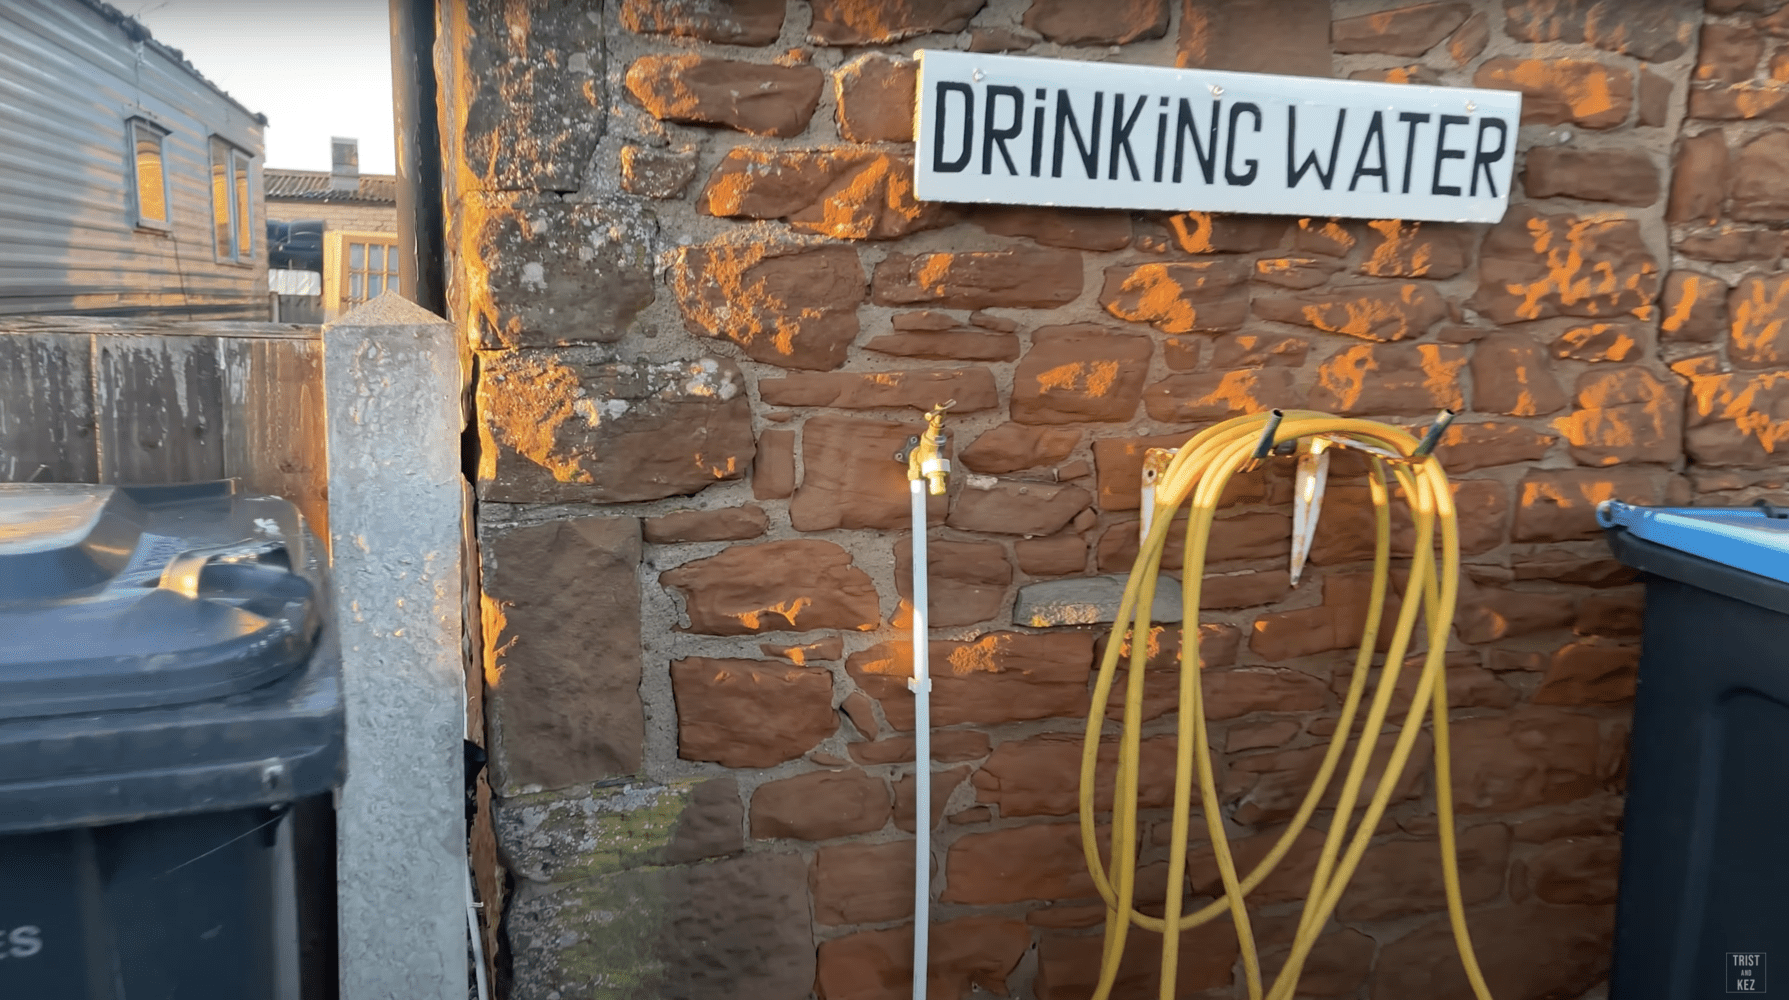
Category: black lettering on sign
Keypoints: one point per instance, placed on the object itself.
(1414, 119)
(1161, 138)
(1443, 154)
(1230, 174)
(1037, 133)
(1121, 136)
(1089, 151)
(1482, 159)
(992, 137)
(1185, 127)
(1375, 137)
(938, 162)
(1295, 174)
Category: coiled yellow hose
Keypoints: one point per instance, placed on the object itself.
(1199, 472)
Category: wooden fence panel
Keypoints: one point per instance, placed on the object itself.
(274, 438)
(97, 400)
(46, 409)
(161, 409)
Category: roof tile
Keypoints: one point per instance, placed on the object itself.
(313, 185)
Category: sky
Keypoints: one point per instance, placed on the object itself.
(315, 68)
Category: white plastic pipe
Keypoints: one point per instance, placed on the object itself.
(478, 941)
(921, 686)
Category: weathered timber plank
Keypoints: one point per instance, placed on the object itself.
(46, 409)
(160, 409)
(273, 433)
(141, 326)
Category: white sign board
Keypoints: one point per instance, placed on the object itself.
(1028, 131)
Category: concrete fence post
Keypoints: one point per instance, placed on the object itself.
(392, 388)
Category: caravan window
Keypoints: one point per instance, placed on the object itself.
(148, 174)
(231, 213)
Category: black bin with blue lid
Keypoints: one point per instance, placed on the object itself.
(1704, 896)
(171, 732)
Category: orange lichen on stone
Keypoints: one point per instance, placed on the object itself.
(753, 620)
(873, 201)
(1760, 307)
(1441, 371)
(493, 621)
(1237, 391)
(847, 193)
(983, 656)
(1596, 342)
(1180, 399)
(1588, 93)
(1742, 400)
(1159, 299)
(1386, 257)
(746, 302)
(1331, 232)
(1091, 378)
(1754, 99)
(1567, 275)
(934, 273)
(1192, 230)
(1179, 297)
(1417, 250)
(1701, 364)
(1624, 415)
(1526, 405)
(1152, 644)
(538, 396)
(1391, 378)
(1585, 492)
(786, 305)
(1363, 316)
(1682, 308)
(897, 663)
(725, 194)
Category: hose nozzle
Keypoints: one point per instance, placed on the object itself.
(1264, 447)
(1433, 437)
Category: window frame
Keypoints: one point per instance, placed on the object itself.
(237, 201)
(135, 127)
(339, 271)
(244, 204)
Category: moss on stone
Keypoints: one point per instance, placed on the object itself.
(560, 837)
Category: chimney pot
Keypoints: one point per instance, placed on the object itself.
(344, 164)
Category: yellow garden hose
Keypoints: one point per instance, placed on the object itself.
(1198, 473)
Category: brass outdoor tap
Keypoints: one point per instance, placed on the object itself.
(927, 453)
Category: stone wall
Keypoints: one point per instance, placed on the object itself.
(705, 307)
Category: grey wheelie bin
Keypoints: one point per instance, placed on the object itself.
(170, 738)
(1704, 894)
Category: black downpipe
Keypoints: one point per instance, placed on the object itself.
(422, 236)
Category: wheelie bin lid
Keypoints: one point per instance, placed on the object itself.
(117, 597)
(1755, 539)
(163, 649)
(1741, 552)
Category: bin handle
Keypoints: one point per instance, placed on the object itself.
(181, 574)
